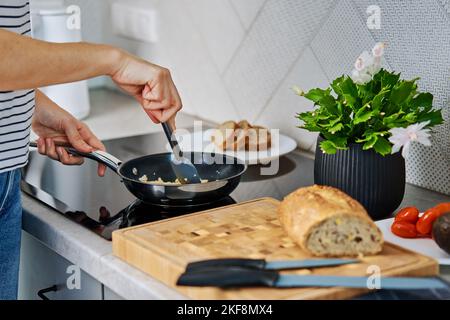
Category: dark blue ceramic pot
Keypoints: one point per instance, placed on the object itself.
(377, 182)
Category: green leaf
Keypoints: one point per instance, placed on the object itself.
(336, 128)
(328, 147)
(370, 142)
(435, 118)
(402, 91)
(382, 146)
(393, 120)
(330, 104)
(336, 85)
(389, 79)
(338, 142)
(349, 87)
(377, 101)
(349, 92)
(333, 143)
(422, 100)
(363, 114)
(316, 94)
(411, 117)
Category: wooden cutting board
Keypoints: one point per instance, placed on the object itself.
(251, 230)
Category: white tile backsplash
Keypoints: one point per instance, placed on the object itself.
(247, 10)
(198, 77)
(278, 36)
(220, 27)
(285, 104)
(341, 40)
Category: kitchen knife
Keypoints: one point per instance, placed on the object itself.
(244, 277)
(261, 264)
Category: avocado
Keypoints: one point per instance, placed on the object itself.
(441, 232)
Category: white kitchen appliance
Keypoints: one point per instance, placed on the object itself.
(50, 23)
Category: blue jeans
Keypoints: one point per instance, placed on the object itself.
(10, 232)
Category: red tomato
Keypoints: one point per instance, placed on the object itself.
(443, 207)
(408, 214)
(425, 222)
(404, 229)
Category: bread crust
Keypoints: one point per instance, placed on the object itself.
(308, 207)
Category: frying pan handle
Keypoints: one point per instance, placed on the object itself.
(100, 156)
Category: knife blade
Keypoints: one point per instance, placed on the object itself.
(244, 277)
(261, 264)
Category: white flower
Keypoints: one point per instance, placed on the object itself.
(367, 65)
(402, 137)
(378, 49)
(360, 77)
(373, 68)
(364, 60)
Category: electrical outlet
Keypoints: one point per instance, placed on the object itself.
(136, 22)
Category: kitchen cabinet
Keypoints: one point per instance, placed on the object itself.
(41, 268)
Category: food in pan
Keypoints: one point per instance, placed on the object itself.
(325, 221)
(441, 232)
(409, 224)
(241, 136)
(177, 182)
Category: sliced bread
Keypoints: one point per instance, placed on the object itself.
(325, 221)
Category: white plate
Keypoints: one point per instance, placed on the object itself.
(201, 142)
(426, 247)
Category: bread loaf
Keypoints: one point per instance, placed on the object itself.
(224, 135)
(259, 139)
(241, 136)
(325, 221)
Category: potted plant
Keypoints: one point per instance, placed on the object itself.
(364, 120)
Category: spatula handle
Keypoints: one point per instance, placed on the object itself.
(172, 140)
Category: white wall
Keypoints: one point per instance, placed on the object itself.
(234, 59)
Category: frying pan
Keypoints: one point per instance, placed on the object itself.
(222, 172)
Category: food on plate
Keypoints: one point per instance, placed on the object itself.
(408, 214)
(259, 138)
(441, 232)
(409, 217)
(425, 223)
(325, 221)
(241, 136)
(224, 135)
(404, 229)
(177, 182)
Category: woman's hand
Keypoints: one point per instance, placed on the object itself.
(52, 123)
(149, 84)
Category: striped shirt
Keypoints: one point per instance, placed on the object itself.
(16, 107)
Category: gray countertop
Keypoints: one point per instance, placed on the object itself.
(94, 255)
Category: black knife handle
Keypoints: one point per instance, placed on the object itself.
(228, 277)
(226, 262)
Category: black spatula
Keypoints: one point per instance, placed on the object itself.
(183, 168)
